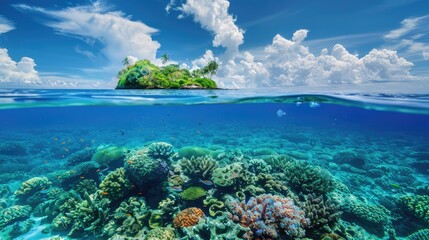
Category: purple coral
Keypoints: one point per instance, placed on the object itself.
(268, 216)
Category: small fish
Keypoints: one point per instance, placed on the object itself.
(314, 104)
(205, 182)
(102, 170)
(395, 185)
(63, 142)
(129, 215)
(66, 149)
(104, 193)
(140, 193)
(55, 139)
(177, 188)
(81, 140)
(122, 132)
(280, 113)
(46, 161)
(82, 177)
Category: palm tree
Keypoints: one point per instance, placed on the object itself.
(211, 68)
(165, 58)
(126, 62)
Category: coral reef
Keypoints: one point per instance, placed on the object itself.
(193, 193)
(227, 175)
(220, 227)
(322, 212)
(188, 217)
(14, 213)
(192, 151)
(31, 186)
(422, 234)
(161, 150)
(80, 156)
(214, 205)
(89, 215)
(109, 155)
(156, 219)
(257, 166)
(12, 148)
(141, 168)
(306, 178)
(129, 218)
(161, 233)
(200, 167)
(86, 186)
(115, 185)
(269, 216)
(349, 157)
(418, 205)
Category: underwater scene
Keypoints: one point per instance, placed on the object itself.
(212, 164)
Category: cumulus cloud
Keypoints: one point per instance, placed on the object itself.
(214, 17)
(5, 25)
(204, 60)
(22, 72)
(288, 62)
(119, 35)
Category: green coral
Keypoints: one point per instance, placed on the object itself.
(263, 183)
(161, 233)
(227, 175)
(110, 154)
(156, 219)
(89, 215)
(214, 205)
(220, 227)
(303, 177)
(193, 151)
(115, 185)
(419, 235)
(129, 218)
(418, 205)
(86, 186)
(193, 193)
(257, 166)
(200, 167)
(13, 214)
(32, 186)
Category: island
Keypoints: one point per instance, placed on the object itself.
(145, 75)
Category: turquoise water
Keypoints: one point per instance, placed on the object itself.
(199, 164)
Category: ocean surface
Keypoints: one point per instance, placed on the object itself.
(221, 164)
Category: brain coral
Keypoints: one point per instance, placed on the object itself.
(188, 217)
(161, 233)
(193, 193)
(32, 186)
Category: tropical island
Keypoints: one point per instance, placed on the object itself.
(145, 75)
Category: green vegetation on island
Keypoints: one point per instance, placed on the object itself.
(145, 75)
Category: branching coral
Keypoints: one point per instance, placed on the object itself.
(161, 150)
(129, 218)
(32, 186)
(115, 186)
(257, 166)
(418, 205)
(198, 167)
(419, 235)
(89, 215)
(187, 217)
(86, 186)
(269, 216)
(322, 212)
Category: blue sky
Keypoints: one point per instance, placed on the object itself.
(259, 43)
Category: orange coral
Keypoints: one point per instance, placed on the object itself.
(188, 217)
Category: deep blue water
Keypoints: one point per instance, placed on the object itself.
(391, 134)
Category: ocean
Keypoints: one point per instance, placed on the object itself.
(215, 164)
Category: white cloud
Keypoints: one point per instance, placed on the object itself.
(5, 25)
(204, 60)
(213, 16)
(411, 38)
(22, 72)
(119, 35)
(290, 63)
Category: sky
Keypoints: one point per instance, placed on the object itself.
(258, 43)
